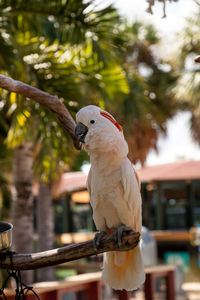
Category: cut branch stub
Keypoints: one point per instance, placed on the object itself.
(51, 102)
(67, 253)
(197, 59)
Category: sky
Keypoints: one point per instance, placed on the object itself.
(178, 144)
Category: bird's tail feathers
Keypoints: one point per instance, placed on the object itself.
(124, 270)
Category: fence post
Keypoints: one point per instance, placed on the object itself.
(149, 287)
(94, 291)
(170, 286)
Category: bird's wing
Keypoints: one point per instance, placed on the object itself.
(131, 188)
(88, 184)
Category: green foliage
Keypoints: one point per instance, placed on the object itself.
(80, 159)
(5, 161)
(84, 55)
(63, 49)
(150, 100)
(188, 88)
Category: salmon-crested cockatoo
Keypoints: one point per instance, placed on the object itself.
(114, 191)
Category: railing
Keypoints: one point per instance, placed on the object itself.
(91, 284)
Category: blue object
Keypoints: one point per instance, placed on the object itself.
(199, 256)
(181, 259)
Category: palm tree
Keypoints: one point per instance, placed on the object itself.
(5, 162)
(23, 202)
(63, 54)
(150, 100)
(188, 86)
(45, 222)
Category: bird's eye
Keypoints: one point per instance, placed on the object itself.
(92, 121)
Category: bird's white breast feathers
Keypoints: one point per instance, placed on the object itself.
(115, 196)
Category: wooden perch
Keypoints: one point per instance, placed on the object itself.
(51, 102)
(67, 253)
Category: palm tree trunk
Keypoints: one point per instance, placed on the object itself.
(22, 204)
(45, 226)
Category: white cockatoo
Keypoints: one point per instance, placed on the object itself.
(114, 191)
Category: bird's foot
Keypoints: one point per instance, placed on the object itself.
(97, 239)
(121, 231)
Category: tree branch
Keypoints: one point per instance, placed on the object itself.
(47, 100)
(67, 253)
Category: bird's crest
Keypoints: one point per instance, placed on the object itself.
(109, 117)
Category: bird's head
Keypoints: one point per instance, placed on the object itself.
(99, 131)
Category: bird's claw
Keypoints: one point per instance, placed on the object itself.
(97, 239)
(120, 232)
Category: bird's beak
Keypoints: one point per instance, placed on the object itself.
(80, 132)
